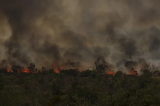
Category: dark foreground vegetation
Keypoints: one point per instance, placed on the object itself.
(74, 88)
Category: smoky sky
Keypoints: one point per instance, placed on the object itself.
(45, 32)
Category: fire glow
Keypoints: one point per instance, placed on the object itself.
(9, 70)
(133, 72)
(27, 70)
(58, 69)
(111, 73)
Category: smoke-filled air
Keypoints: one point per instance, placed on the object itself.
(48, 32)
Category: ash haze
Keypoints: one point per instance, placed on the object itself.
(56, 31)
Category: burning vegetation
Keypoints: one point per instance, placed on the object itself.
(71, 86)
(101, 66)
(60, 86)
(72, 34)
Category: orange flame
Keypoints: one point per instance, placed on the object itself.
(134, 72)
(111, 73)
(57, 70)
(9, 70)
(26, 70)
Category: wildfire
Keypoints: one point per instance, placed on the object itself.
(57, 70)
(26, 70)
(9, 70)
(133, 72)
(111, 73)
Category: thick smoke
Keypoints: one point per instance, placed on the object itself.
(45, 32)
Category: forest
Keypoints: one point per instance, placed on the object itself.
(74, 88)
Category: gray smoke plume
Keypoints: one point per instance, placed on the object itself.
(45, 32)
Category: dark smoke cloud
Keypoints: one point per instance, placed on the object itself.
(56, 31)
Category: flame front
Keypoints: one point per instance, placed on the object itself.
(58, 70)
